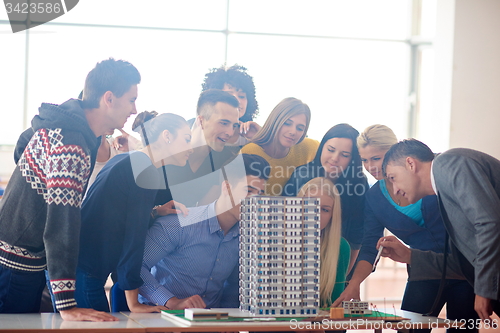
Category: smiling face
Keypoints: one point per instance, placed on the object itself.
(220, 126)
(372, 158)
(292, 131)
(181, 146)
(122, 107)
(404, 181)
(240, 95)
(336, 156)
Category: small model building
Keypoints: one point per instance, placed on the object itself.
(204, 314)
(279, 256)
(355, 307)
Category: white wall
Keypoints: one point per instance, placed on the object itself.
(6, 163)
(475, 82)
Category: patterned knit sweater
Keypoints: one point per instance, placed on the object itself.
(40, 211)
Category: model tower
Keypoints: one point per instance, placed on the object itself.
(279, 256)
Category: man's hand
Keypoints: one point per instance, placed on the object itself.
(483, 307)
(191, 302)
(172, 207)
(394, 249)
(80, 314)
(350, 292)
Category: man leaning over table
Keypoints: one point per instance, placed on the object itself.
(467, 183)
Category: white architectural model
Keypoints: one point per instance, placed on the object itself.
(279, 256)
(356, 307)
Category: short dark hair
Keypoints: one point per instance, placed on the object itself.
(407, 148)
(210, 97)
(112, 75)
(237, 77)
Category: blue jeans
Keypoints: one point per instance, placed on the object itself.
(457, 294)
(90, 292)
(20, 292)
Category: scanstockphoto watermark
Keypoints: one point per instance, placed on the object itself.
(351, 324)
(26, 14)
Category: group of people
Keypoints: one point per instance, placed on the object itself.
(162, 218)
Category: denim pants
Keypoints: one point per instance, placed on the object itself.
(20, 292)
(457, 294)
(90, 291)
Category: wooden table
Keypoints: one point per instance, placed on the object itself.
(154, 322)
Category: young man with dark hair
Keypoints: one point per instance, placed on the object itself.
(40, 211)
(216, 121)
(467, 183)
(195, 258)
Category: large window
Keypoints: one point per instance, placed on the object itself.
(355, 61)
(349, 60)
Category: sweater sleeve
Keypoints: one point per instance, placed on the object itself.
(67, 170)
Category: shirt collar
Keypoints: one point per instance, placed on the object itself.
(214, 226)
(433, 182)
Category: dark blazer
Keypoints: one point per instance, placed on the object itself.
(468, 184)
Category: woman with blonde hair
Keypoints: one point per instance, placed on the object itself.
(419, 225)
(282, 142)
(335, 250)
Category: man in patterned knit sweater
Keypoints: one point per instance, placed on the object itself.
(40, 211)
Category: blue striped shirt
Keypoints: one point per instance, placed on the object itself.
(193, 259)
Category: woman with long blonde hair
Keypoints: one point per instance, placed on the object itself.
(334, 249)
(282, 142)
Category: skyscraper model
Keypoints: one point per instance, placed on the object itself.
(279, 256)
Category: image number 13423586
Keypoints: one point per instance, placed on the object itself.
(25, 14)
